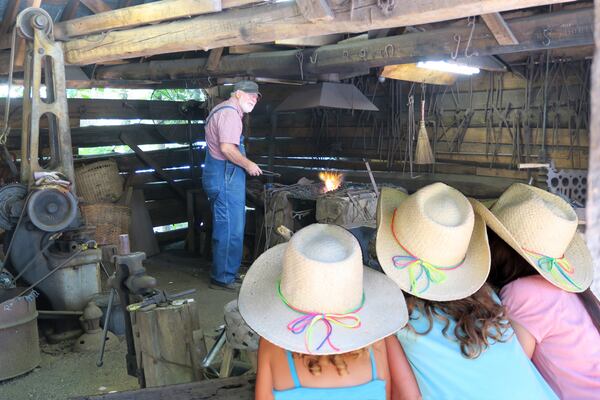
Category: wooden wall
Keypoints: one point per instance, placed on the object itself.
(480, 129)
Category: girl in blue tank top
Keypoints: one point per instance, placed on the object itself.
(322, 317)
(466, 349)
(458, 340)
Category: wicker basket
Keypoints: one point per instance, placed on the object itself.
(99, 182)
(109, 220)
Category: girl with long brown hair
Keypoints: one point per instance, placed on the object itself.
(458, 340)
(543, 270)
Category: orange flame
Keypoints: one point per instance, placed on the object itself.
(332, 180)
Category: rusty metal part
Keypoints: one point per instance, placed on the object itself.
(124, 247)
(19, 339)
(43, 53)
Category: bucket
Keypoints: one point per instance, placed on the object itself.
(19, 339)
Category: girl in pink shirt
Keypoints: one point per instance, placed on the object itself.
(543, 270)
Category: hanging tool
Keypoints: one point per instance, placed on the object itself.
(424, 154)
(371, 177)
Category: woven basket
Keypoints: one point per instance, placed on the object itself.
(109, 220)
(99, 182)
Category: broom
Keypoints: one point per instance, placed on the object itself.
(424, 154)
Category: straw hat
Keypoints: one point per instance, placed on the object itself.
(313, 295)
(431, 243)
(542, 228)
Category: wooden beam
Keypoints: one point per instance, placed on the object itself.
(124, 3)
(147, 159)
(126, 109)
(312, 41)
(94, 136)
(315, 10)
(148, 13)
(391, 50)
(250, 48)
(96, 6)
(69, 10)
(10, 14)
(268, 22)
(499, 29)
(213, 59)
(593, 181)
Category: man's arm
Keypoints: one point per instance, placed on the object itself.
(232, 153)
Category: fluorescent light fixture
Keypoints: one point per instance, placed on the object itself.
(446, 66)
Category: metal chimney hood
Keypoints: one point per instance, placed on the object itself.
(328, 95)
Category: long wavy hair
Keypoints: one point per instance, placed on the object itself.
(480, 320)
(508, 265)
(314, 363)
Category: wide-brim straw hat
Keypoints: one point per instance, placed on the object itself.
(319, 273)
(542, 228)
(431, 243)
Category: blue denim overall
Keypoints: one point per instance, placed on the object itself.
(225, 186)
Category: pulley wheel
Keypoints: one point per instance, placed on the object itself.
(33, 18)
(11, 204)
(52, 210)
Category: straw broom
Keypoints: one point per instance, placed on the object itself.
(424, 154)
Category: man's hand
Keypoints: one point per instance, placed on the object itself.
(232, 153)
(252, 169)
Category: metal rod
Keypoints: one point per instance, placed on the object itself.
(100, 361)
(215, 349)
(50, 273)
(371, 176)
(123, 247)
(58, 312)
(545, 106)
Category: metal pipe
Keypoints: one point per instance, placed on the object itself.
(215, 349)
(100, 361)
(59, 312)
(544, 115)
(123, 248)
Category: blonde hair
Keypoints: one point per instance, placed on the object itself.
(313, 362)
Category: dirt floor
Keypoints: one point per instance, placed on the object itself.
(64, 373)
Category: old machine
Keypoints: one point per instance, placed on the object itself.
(46, 247)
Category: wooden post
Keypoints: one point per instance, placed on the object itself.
(593, 200)
(166, 343)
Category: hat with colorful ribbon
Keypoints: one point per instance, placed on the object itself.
(312, 295)
(431, 243)
(542, 228)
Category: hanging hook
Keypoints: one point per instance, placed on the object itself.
(454, 54)
(470, 22)
(546, 39)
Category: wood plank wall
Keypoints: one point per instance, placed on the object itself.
(307, 141)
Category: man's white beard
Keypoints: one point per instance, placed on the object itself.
(246, 107)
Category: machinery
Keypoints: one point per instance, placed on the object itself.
(46, 243)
